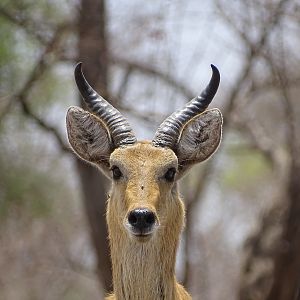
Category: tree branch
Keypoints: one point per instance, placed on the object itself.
(44, 125)
(254, 49)
(28, 26)
(22, 23)
(38, 70)
(150, 71)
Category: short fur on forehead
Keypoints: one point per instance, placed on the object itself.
(143, 155)
(144, 150)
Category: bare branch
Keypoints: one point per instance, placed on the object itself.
(280, 74)
(150, 71)
(254, 49)
(258, 139)
(22, 23)
(30, 27)
(29, 113)
(124, 83)
(5, 107)
(148, 117)
(272, 83)
(39, 69)
(130, 66)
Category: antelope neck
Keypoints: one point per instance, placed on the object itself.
(144, 270)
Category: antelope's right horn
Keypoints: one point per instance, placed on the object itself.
(119, 128)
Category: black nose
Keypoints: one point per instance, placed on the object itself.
(141, 218)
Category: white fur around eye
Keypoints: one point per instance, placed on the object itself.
(200, 138)
(88, 136)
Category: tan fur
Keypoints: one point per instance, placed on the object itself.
(144, 269)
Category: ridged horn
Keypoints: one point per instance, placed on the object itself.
(119, 128)
(169, 131)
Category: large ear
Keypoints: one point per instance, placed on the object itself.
(200, 138)
(89, 137)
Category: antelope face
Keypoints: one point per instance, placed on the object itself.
(144, 174)
(143, 178)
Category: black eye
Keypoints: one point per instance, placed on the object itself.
(117, 174)
(170, 174)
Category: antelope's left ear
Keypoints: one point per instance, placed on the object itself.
(200, 138)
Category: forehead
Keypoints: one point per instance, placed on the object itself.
(143, 152)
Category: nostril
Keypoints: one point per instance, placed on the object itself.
(150, 218)
(132, 218)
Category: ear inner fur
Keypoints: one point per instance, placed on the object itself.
(200, 137)
(88, 136)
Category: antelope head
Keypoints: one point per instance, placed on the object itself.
(144, 202)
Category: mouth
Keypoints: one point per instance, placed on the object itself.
(140, 234)
(142, 237)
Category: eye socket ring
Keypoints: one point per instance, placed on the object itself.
(116, 172)
(170, 174)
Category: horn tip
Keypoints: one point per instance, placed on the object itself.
(80, 79)
(78, 68)
(215, 79)
(215, 70)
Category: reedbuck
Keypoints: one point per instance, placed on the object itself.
(145, 214)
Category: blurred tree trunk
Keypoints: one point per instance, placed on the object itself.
(286, 283)
(92, 46)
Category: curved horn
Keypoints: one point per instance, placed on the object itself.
(169, 131)
(118, 127)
